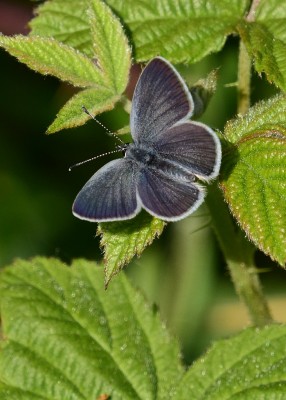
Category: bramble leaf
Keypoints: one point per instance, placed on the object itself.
(65, 21)
(106, 72)
(180, 31)
(251, 365)
(49, 57)
(253, 175)
(71, 114)
(267, 51)
(124, 240)
(110, 45)
(65, 337)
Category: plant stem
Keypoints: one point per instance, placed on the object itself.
(238, 252)
(244, 77)
(244, 68)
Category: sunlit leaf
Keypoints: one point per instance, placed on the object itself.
(253, 175)
(71, 114)
(65, 337)
(66, 21)
(50, 57)
(180, 31)
(110, 44)
(248, 366)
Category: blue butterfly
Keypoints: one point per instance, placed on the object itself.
(160, 169)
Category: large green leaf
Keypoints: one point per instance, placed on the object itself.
(249, 366)
(65, 337)
(124, 240)
(178, 30)
(253, 175)
(182, 31)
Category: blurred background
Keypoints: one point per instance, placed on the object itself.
(183, 272)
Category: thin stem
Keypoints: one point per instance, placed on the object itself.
(244, 79)
(238, 252)
(251, 15)
(244, 68)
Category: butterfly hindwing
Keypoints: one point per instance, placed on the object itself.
(166, 197)
(192, 146)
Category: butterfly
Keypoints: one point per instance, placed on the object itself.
(161, 167)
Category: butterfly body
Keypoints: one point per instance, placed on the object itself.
(160, 169)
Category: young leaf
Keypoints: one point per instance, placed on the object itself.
(110, 45)
(65, 21)
(50, 57)
(71, 114)
(250, 365)
(123, 240)
(180, 31)
(267, 51)
(108, 70)
(65, 337)
(253, 175)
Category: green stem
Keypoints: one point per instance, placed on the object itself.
(238, 252)
(244, 67)
(244, 77)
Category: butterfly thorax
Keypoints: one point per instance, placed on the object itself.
(142, 154)
(149, 157)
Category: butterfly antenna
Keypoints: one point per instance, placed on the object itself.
(104, 127)
(94, 158)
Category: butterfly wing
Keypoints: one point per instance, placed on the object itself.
(161, 99)
(192, 146)
(110, 194)
(166, 197)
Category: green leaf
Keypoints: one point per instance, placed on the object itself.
(65, 337)
(123, 240)
(106, 76)
(66, 21)
(71, 114)
(182, 31)
(249, 366)
(103, 33)
(272, 13)
(50, 57)
(110, 45)
(268, 51)
(253, 175)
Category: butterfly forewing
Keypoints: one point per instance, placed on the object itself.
(161, 99)
(110, 194)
